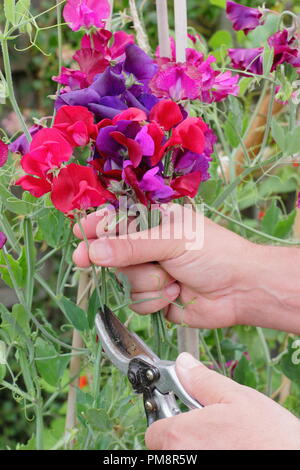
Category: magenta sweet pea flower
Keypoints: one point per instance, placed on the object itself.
(243, 18)
(86, 13)
(3, 240)
(250, 60)
(3, 153)
(284, 52)
(298, 201)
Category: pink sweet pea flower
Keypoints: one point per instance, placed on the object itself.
(176, 81)
(77, 187)
(3, 240)
(86, 13)
(3, 153)
(243, 18)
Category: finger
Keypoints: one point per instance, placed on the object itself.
(81, 255)
(207, 386)
(146, 277)
(136, 248)
(151, 302)
(155, 437)
(89, 224)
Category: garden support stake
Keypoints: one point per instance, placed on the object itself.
(188, 338)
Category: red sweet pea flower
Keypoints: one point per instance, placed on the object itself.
(187, 185)
(53, 144)
(48, 150)
(130, 114)
(77, 187)
(135, 152)
(189, 134)
(167, 113)
(36, 186)
(76, 124)
(155, 131)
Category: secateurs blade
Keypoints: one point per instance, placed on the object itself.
(154, 378)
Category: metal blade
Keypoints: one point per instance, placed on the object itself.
(120, 344)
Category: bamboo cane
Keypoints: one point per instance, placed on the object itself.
(109, 19)
(188, 338)
(74, 370)
(163, 28)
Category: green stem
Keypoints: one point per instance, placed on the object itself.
(17, 390)
(269, 364)
(219, 351)
(208, 353)
(39, 426)
(10, 88)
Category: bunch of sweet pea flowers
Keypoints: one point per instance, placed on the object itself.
(132, 112)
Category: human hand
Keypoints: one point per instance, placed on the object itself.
(225, 281)
(235, 417)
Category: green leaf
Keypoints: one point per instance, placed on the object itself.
(245, 373)
(10, 10)
(268, 59)
(13, 204)
(290, 361)
(218, 3)
(75, 314)
(279, 135)
(284, 226)
(93, 307)
(293, 141)
(17, 266)
(22, 8)
(219, 39)
(270, 220)
(244, 85)
(98, 419)
(47, 368)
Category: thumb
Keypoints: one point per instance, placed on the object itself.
(135, 248)
(203, 384)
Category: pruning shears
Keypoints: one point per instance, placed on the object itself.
(150, 376)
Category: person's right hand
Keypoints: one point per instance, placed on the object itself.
(227, 281)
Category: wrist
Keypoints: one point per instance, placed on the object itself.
(268, 292)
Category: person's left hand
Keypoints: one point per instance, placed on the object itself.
(235, 417)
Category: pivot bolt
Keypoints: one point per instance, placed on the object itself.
(150, 375)
(150, 405)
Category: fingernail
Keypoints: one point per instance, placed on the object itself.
(172, 289)
(100, 252)
(187, 361)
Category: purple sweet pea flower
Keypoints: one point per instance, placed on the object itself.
(3, 153)
(298, 201)
(154, 184)
(21, 144)
(139, 64)
(86, 13)
(243, 18)
(3, 240)
(106, 145)
(186, 162)
(250, 60)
